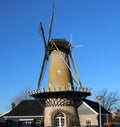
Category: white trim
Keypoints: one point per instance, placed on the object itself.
(90, 107)
(22, 116)
(2, 115)
(26, 119)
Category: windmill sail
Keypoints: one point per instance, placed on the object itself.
(75, 68)
(51, 22)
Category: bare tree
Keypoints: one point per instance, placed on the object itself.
(110, 100)
(23, 95)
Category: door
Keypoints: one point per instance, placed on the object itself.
(60, 120)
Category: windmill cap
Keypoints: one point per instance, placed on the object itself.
(61, 44)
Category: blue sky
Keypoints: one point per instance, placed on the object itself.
(95, 23)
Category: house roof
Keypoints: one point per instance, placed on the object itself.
(34, 108)
(95, 106)
(27, 108)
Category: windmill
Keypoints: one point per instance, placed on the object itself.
(60, 99)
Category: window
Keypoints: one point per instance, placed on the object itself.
(60, 120)
(58, 72)
(88, 122)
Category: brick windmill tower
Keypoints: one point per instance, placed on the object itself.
(60, 99)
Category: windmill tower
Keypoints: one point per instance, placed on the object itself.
(60, 99)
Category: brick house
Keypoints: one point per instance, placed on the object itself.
(89, 113)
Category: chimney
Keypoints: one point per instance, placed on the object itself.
(13, 105)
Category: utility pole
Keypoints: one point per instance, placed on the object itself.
(99, 98)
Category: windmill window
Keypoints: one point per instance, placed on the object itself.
(58, 72)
